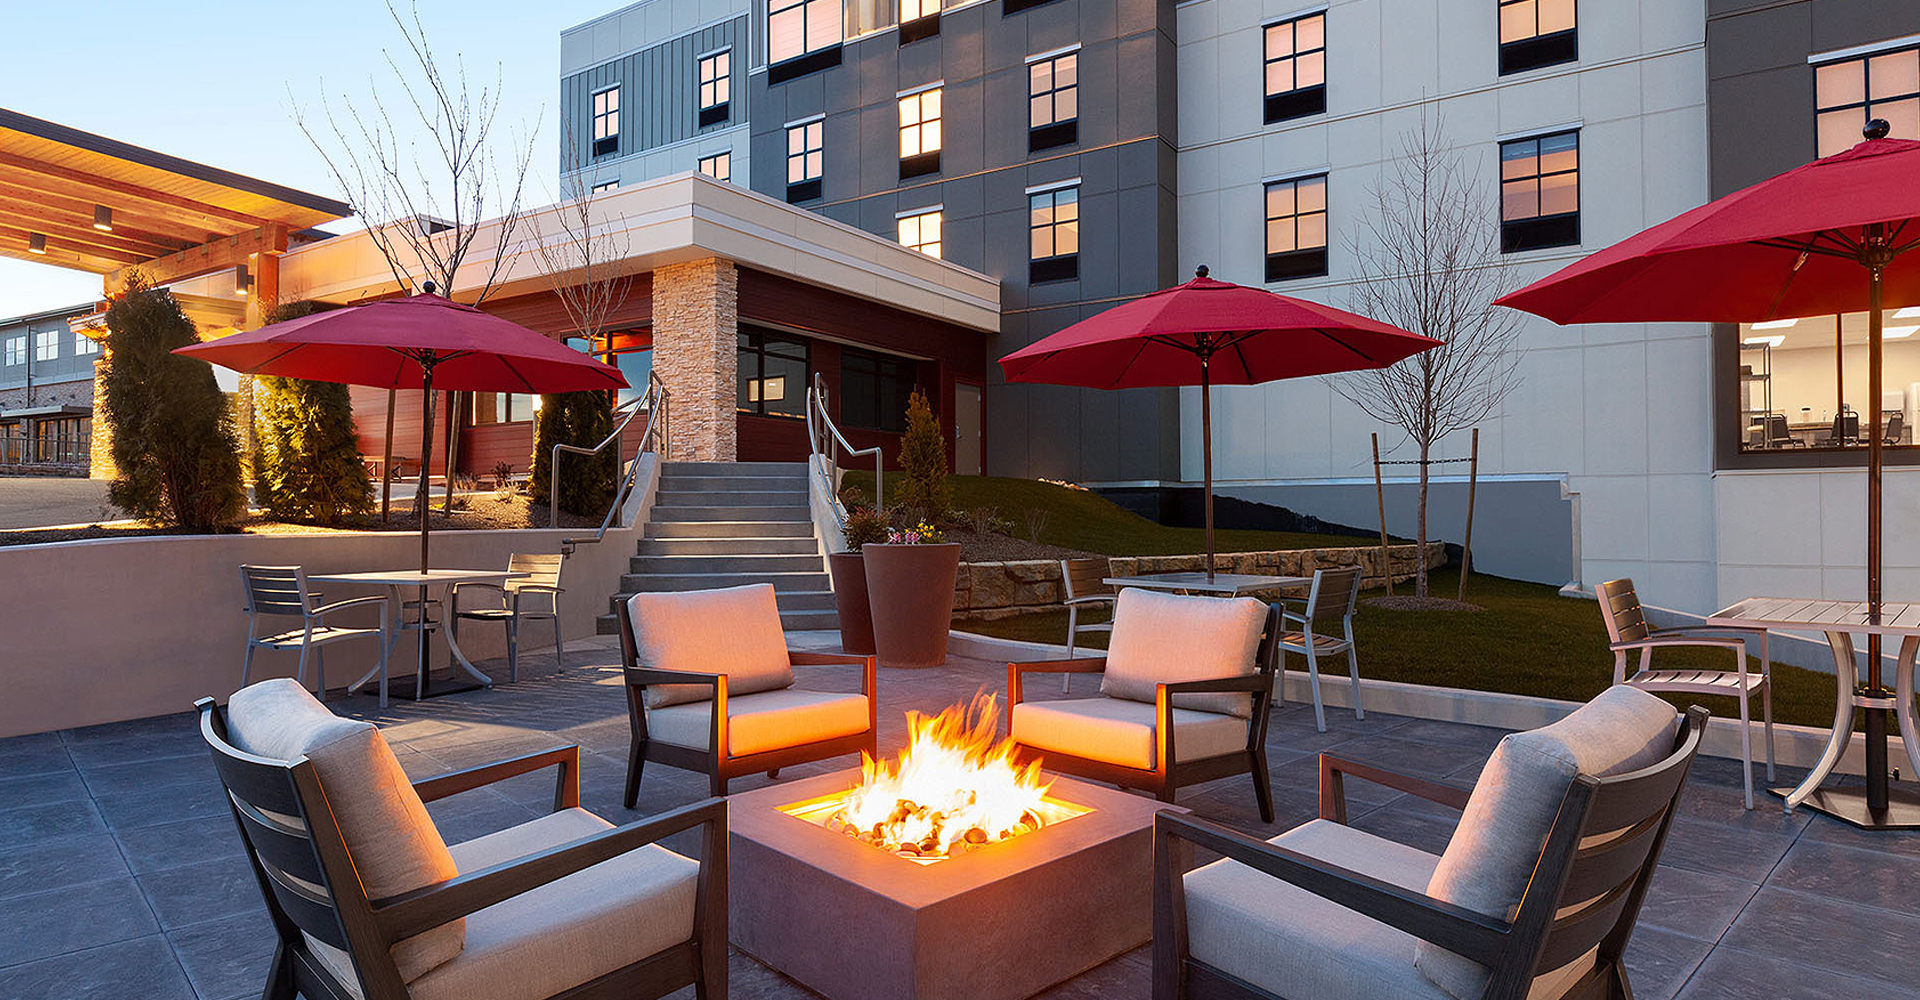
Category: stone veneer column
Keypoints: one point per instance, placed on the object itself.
(695, 352)
(100, 464)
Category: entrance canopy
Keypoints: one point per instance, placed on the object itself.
(83, 201)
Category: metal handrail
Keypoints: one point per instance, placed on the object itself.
(822, 433)
(655, 402)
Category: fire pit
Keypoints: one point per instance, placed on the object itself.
(980, 880)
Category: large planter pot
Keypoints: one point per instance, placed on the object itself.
(849, 571)
(910, 594)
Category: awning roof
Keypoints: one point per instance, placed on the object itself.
(52, 178)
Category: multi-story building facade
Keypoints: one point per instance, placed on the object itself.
(46, 390)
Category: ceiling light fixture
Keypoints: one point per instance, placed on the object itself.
(1774, 341)
(37, 243)
(1910, 312)
(1775, 324)
(1897, 332)
(103, 218)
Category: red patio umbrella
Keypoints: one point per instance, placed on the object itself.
(1829, 237)
(1208, 332)
(415, 342)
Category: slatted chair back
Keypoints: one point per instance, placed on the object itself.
(542, 568)
(1084, 577)
(1620, 606)
(1335, 592)
(1599, 859)
(275, 590)
(300, 859)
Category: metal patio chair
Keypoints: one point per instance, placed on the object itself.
(1333, 597)
(281, 591)
(1085, 587)
(532, 597)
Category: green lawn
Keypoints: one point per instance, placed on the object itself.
(1078, 519)
(1527, 640)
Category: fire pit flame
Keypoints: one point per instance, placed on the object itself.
(954, 789)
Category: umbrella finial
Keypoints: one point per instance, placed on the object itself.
(428, 287)
(1201, 271)
(1877, 128)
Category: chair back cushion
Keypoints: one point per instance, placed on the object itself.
(1494, 850)
(1162, 638)
(733, 631)
(393, 842)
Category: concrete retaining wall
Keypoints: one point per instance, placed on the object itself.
(1001, 589)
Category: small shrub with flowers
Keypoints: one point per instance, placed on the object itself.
(921, 533)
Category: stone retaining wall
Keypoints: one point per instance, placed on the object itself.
(1003, 589)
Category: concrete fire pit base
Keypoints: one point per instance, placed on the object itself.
(855, 922)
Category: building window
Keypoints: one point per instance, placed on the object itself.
(1296, 68)
(606, 121)
(920, 133)
(503, 408)
(1053, 101)
(806, 159)
(719, 166)
(802, 36)
(1536, 33)
(773, 374)
(1851, 92)
(84, 345)
(604, 186)
(716, 86)
(1803, 382)
(920, 230)
(873, 391)
(46, 345)
(1540, 192)
(1053, 223)
(918, 19)
(1297, 228)
(14, 351)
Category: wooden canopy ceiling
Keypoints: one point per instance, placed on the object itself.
(172, 217)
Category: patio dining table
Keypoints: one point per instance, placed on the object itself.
(1219, 584)
(1840, 621)
(395, 579)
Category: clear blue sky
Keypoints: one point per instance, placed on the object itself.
(215, 81)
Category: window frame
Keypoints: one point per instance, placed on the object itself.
(809, 186)
(1539, 231)
(46, 345)
(1867, 101)
(13, 350)
(918, 216)
(604, 142)
(717, 110)
(923, 161)
(723, 157)
(881, 363)
(84, 345)
(752, 340)
(1055, 266)
(1535, 51)
(1057, 131)
(812, 57)
(605, 186)
(1298, 262)
(1297, 101)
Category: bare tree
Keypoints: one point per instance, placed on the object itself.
(424, 203)
(1431, 263)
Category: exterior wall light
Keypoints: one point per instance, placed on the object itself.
(242, 281)
(103, 218)
(37, 243)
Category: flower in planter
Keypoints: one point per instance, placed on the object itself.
(922, 533)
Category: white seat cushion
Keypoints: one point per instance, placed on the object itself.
(1491, 857)
(562, 934)
(1161, 638)
(1298, 945)
(394, 844)
(1122, 732)
(733, 631)
(766, 721)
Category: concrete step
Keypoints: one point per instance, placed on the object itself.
(662, 528)
(792, 621)
(656, 582)
(748, 545)
(719, 498)
(753, 564)
(784, 470)
(795, 512)
(766, 484)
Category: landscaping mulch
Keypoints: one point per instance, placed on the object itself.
(991, 547)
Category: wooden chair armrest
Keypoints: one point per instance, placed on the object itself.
(1086, 665)
(566, 785)
(643, 676)
(351, 602)
(1472, 935)
(1089, 599)
(1333, 797)
(409, 913)
(1652, 642)
(1709, 630)
(809, 659)
(1248, 682)
(537, 588)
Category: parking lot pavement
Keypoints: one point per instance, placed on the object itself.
(39, 501)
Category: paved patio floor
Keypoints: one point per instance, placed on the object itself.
(121, 874)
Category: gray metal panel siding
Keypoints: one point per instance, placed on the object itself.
(66, 366)
(658, 93)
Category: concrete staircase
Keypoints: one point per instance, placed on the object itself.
(725, 524)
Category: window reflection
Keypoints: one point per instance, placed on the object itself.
(1803, 383)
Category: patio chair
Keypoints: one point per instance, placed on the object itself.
(1535, 896)
(1627, 632)
(281, 592)
(532, 597)
(1084, 584)
(367, 902)
(1334, 594)
(1185, 689)
(695, 658)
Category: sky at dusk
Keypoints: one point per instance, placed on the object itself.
(216, 81)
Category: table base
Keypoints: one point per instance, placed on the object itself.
(407, 687)
(1850, 805)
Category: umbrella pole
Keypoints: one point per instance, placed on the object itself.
(426, 457)
(1876, 717)
(1206, 450)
